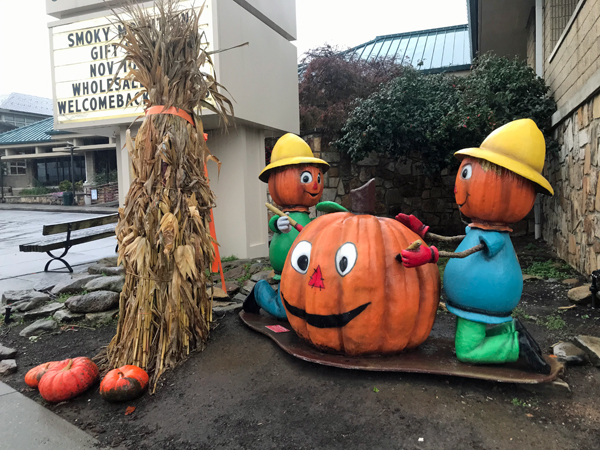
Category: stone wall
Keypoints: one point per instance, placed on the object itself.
(402, 186)
(572, 217)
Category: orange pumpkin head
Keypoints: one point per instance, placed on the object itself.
(344, 290)
(123, 384)
(296, 187)
(33, 377)
(68, 379)
(490, 195)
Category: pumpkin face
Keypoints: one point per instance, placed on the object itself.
(32, 378)
(123, 384)
(296, 187)
(68, 379)
(491, 194)
(344, 290)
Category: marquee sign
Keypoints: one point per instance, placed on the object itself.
(86, 59)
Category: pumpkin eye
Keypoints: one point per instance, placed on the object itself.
(301, 256)
(306, 177)
(345, 258)
(319, 178)
(466, 173)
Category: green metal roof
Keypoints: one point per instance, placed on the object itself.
(435, 50)
(29, 134)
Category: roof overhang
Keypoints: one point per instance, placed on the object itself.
(499, 26)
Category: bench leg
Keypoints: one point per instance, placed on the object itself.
(58, 258)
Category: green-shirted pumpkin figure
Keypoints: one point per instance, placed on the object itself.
(295, 179)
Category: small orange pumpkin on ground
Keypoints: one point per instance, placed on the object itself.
(32, 378)
(68, 379)
(123, 384)
(344, 290)
(296, 187)
(490, 195)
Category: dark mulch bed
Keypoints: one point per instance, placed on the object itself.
(243, 392)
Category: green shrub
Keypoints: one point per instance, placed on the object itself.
(436, 115)
(65, 185)
(35, 191)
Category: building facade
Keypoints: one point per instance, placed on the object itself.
(261, 78)
(561, 40)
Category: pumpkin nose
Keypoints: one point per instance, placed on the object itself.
(455, 189)
(315, 186)
(316, 279)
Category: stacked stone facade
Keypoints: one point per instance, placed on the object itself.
(572, 217)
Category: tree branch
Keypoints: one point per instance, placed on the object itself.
(437, 237)
(463, 254)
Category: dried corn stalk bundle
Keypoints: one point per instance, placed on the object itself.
(163, 230)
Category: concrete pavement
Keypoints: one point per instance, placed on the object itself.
(26, 425)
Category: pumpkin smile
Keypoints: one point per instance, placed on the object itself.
(329, 321)
(311, 194)
(460, 205)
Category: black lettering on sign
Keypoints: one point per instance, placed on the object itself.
(111, 101)
(85, 108)
(89, 37)
(79, 38)
(120, 102)
(62, 107)
(126, 84)
(70, 106)
(93, 104)
(94, 53)
(106, 30)
(128, 100)
(71, 41)
(76, 89)
(77, 106)
(102, 102)
(102, 86)
(86, 88)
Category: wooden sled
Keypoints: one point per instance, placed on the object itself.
(434, 356)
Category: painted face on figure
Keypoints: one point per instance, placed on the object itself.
(345, 291)
(297, 186)
(488, 193)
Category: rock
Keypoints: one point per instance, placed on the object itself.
(102, 318)
(44, 311)
(570, 281)
(28, 305)
(114, 283)
(93, 302)
(100, 269)
(74, 285)
(225, 306)
(235, 273)
(39, 327)
(247, 287)
(45, 285)
(238, 262)
(530, 277)
(260, 276)
(591, 344)
(232, 287)
(551, 280)
(569, 353)
(580, 295)
(110, 261)
(7, 353)
(64, 315)
(29, 295)
(217, 293)
(255, 268)
(239, 298)
(8, 366)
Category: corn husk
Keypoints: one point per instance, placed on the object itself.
(163, 230)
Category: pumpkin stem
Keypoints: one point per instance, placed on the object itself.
(68, 367)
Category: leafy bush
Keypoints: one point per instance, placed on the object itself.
(35, 191)
(331, 83)
(436, 115)
(65, 185)
(102, 178)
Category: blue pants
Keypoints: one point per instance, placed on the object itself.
(269, 300)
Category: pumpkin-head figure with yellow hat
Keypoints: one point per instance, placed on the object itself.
(296, 182)
(496, 185)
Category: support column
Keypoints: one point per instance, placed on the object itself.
(240, 216)
(90, 168)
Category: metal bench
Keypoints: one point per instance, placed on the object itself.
(78, 232)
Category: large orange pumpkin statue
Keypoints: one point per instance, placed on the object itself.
(492, 196)
(33, 377)
(345, 291)
(123, 384)
(68, 379)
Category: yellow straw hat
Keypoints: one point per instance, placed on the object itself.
(518, 146)
(291, 149)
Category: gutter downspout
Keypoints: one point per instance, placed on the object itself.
(539, 71)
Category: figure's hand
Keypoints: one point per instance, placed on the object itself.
(283, 224)
(413, 223)
(420, 256)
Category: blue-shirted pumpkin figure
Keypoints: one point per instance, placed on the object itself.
(296, 182)
(495, 186)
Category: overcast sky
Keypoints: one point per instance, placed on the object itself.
(25, 51)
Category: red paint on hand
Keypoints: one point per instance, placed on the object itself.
(423, 255)
(316, 279)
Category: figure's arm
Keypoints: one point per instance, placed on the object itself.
(423, 230)
(464, 253)
(280, 224)
(418, 254)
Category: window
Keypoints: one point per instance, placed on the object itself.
(17, 168)
(561, 12)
